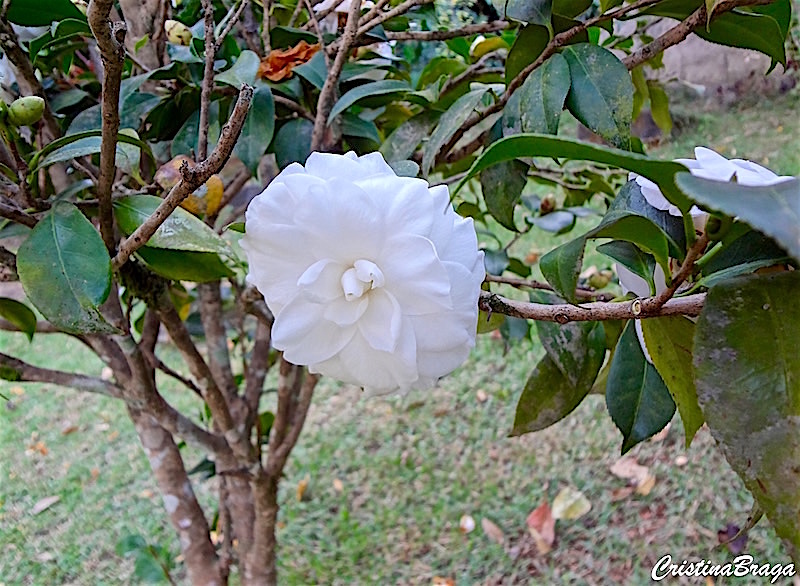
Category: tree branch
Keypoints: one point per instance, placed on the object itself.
(683, 272)
(14, 369)
(191, 179)
(208, 79)
(328, 94)
(531, 284)
(111, 42)
(232, 18)
(13, 213)
(691, 305)
(464, 31)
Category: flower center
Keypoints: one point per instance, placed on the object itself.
(363, 276)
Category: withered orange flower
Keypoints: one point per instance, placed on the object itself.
(278, 65)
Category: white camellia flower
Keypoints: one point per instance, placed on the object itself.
(330, 24)
(707, 164)
(373, 278)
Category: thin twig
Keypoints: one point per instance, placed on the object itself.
(691, 305)
(232, 18)
(25, 372)
(191, 179)
(531, 284)
(328, 94)
(444, 35)
(401, 8)
(318, 31)
(684, 271)
(208, 79)
(293, 106)
(111, 42)
(13, 213)
(321, 14)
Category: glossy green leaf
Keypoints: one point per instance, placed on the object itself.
(405, 168)
(601, 94)
(402, 143)
(631, 257)
(637, 399)
(65, 270)
(749, 246)
(670, 342)
(502, 186)
(292, 143)
(180, 231)
(659, 107)
(571, 8)
(550, 394)
(747, 371)
(185, 141)
(538, 145)
(353, 125)
(437, 67)
(489, 322)
(243, 70)
(184, 265)
(41, 12)
(368, 90)
(450, 121)
(18, 314)
(530, 11)
(536, 107)
(530, 43)
(314, 70)
(86, 143)
(257, 130)
(125, 159)
(284, 36)
(746, 30)
(771, 209)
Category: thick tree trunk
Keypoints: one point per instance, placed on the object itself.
(184, 511)
(260, 566)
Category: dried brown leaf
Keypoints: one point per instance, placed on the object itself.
(542, 527)
(278, 65)
(44, 504)
(492, 531)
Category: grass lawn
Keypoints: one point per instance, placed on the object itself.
(389, 478)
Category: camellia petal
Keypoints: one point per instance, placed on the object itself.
(373, 279)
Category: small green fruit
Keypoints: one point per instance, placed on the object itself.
(717, 227)
(26, 111)
(599, 280)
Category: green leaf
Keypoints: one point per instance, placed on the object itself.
(571, 8)
(557, 222)
(495, 261)
(747, 247)
(184, 265)
(368, 90)
(65, 270)
(636, 397)
(670, 343)
(450, 121)
(402, 143)
(771, 209)
(41, 12)
(18, 314)
(537, 105)
(405, 168)
(88, 143)
(314, 70)
(561, 266)
(284, 36)
(257, 130)
(265, 421)
(632, 258)
(659, 107)
(530, 43)
(576, 348)
(292, 143)
(355, 126)
(502, 186)
(538, 145)
(747, 371)
(549, 395)
(489, 322)
(185, 141)
(437, 67)
(530, 11)
(601, 94)
(148, 569)
(180, 231)
(746, 30)
(243, 70)
(130, 544)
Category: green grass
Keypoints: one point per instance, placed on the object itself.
(409, 467)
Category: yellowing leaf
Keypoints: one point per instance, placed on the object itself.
(570, 504)
(302, 487)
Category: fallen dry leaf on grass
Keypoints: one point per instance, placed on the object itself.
(302, 488)
(492, 531)
(542, 527)
(639, 476)
(278, 65)
(439, 581)
(338, 485)
(44, 504)
(570, 504)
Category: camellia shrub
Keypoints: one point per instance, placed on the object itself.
(382, 136)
